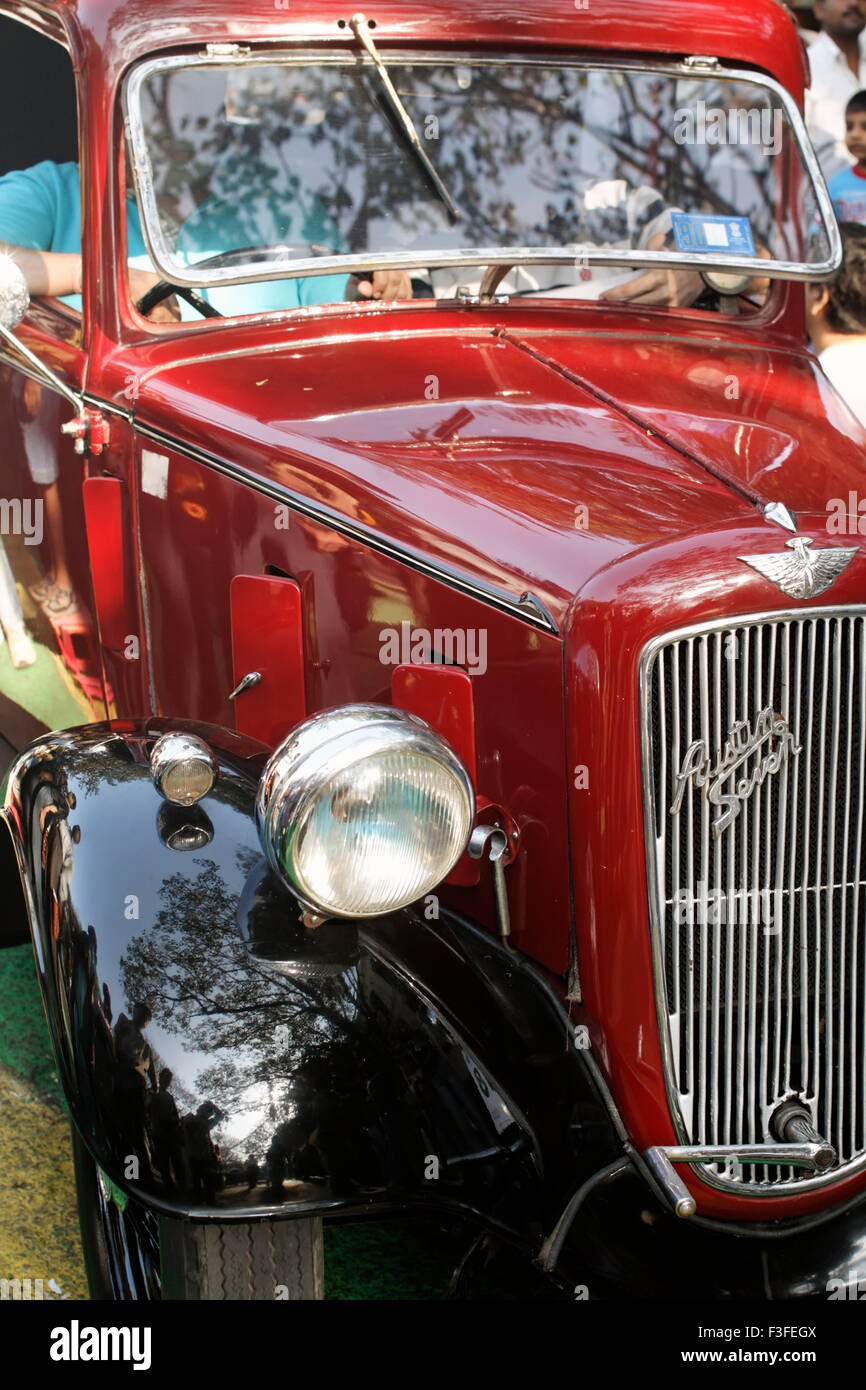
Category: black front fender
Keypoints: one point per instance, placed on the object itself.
(359, 1066)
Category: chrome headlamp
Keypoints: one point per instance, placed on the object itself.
(730, 282)
(363, 810)
(183, 768)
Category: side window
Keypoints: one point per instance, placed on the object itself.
(40, 195)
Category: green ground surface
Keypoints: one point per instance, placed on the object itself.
(25, 1047)
(411, 1259)
(45, 689)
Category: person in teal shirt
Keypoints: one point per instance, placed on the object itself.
(40, 211)
(219, 225)
(40, 225)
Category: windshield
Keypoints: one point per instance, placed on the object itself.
(575, 175)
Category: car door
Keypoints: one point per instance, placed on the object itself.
(50, 673)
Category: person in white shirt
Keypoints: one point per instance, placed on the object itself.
(837, 60)
(836, 320)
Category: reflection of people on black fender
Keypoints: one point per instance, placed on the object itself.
(134, 1068)
(104, 1060)
(201, 1152)
(166, 1132)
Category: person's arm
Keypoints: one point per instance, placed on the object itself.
(676, 288)
(58, 273)
(40, 226)
(52, 273)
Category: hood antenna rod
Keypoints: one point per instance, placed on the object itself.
(771, 511)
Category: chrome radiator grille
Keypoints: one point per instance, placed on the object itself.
(754, 747)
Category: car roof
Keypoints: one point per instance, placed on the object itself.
(114, 32)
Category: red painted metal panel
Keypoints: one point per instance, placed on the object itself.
(121, 30)
(442, 695)
(106, 511)
(578, 492)
(267, 637)
(353, 599)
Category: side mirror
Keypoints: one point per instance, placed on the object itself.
(14, 294)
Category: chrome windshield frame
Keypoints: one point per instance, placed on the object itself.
(479, 257)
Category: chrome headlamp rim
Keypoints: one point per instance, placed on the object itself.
(311, 758)
(728, 283)
(176, 747)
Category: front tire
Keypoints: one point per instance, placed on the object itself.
(133, 1254)
(242, 1259)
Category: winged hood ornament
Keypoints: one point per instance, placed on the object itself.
(804, 573)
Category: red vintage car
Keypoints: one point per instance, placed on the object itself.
(419, 536)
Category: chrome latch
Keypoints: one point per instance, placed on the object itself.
(701, 62)
(226, 50)
(250, 679)
(89, 430)
(494, 839)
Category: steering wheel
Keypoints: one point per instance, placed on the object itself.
(163, 288)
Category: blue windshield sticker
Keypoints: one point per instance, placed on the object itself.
(708, 233)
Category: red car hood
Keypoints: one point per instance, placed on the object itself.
(530, 458)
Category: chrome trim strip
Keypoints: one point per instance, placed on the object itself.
(798, 629)
(160, 252)
(107, 407)
(26, 369)
(46, 376)
(530, 611)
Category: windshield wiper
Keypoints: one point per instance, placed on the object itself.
(361, 29)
